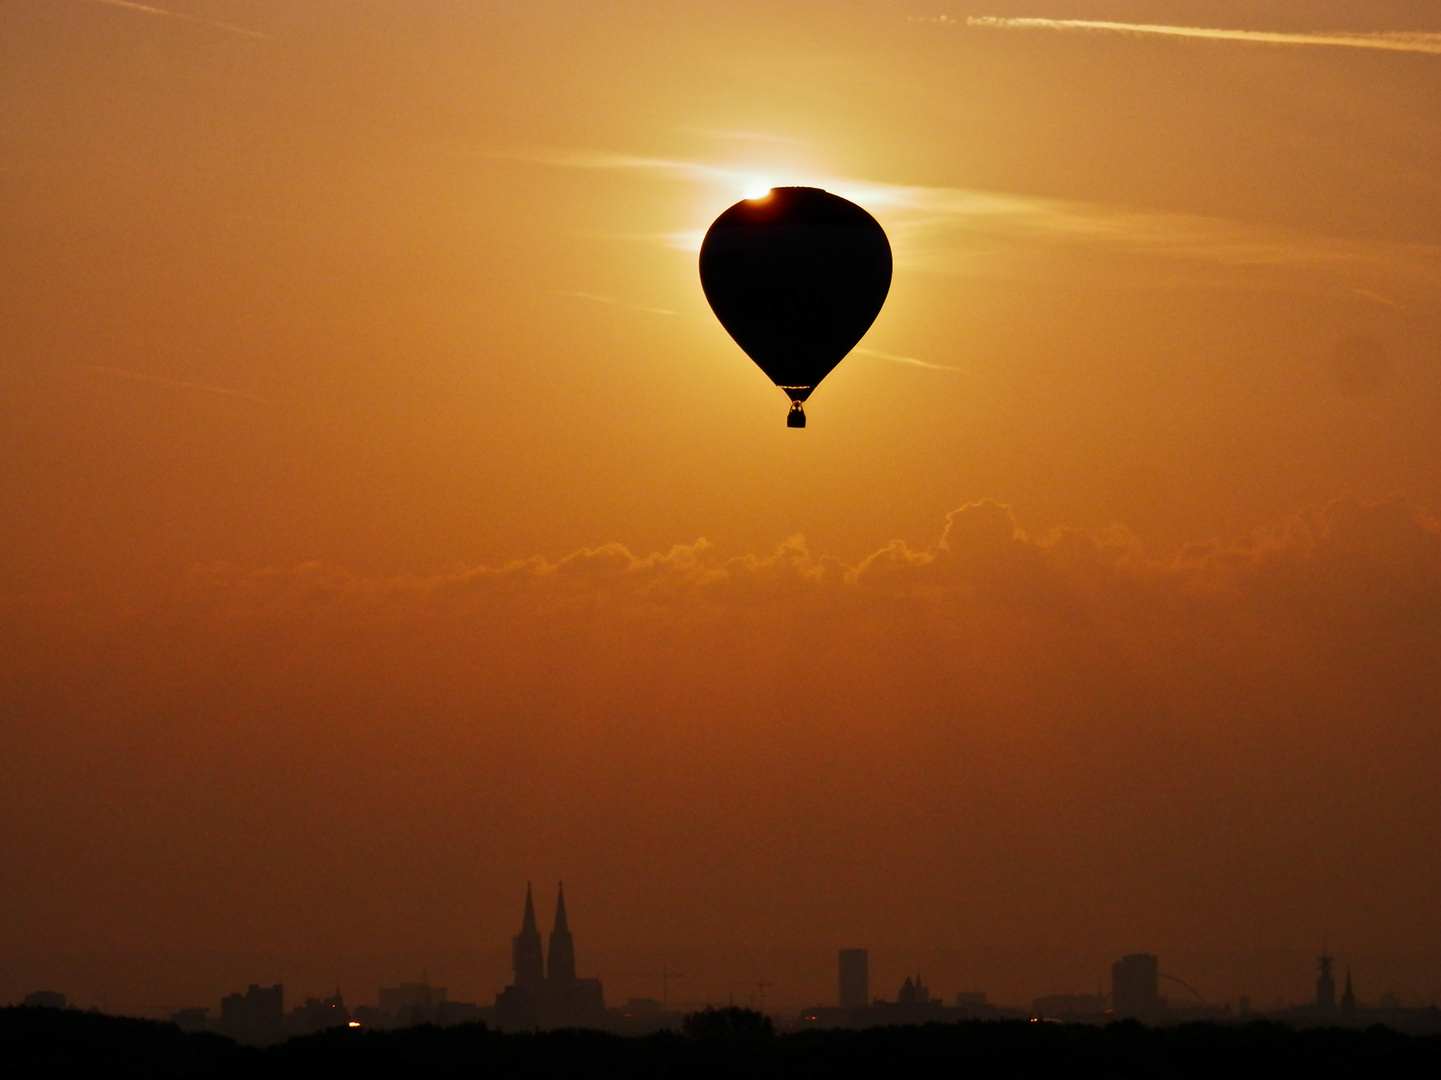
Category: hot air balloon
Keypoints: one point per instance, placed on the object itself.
(796, 277)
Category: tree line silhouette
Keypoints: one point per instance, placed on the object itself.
(713, 1043)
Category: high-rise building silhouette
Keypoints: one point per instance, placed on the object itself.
(855, 978)
(320, 1014)
(1325, 986)
(1135, 984)
(256, 1016)
(1348, 997)
(525, 954)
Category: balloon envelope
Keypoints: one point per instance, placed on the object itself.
(797, 278)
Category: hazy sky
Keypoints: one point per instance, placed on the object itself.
(387, 520)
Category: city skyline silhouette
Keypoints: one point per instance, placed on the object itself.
(544, 993)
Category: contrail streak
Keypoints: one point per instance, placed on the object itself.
(1392, 41)
(146, 9)
(161, 380)
(612, 300)
(904, 360)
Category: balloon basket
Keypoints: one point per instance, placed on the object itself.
(797, 416)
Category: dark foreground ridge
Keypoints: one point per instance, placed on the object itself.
(64, 1043)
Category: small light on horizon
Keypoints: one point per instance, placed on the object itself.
(354, 1023)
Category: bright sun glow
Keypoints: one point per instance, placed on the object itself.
(757, 189)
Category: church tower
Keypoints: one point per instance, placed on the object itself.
(525, 951)
(561, 971)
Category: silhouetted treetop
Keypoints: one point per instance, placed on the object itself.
(732, 1022)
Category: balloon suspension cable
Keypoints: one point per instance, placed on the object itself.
(797, 416)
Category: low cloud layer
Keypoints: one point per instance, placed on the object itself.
(1325, 560)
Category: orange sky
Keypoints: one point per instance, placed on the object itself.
(355, 363)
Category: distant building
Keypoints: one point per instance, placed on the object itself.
(45, 999)
(318, 1014)
(196, 1019)
(547, 997)
(913, 992)
(369, 1016)
(1068, 1006)
(256, 1017)
(914, 1003)
(410, 1004)
(1135, 985)
(642, 1007)
(1327, 1011)
(1325, 986)
(396, 1000)
(640, 1016)
(855, 978)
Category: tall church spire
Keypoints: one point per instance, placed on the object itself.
(525, 949)
(527, 922)
(560, 924)
(562, 947)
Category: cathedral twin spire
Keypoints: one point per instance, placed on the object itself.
(526, 956)
(525, 952)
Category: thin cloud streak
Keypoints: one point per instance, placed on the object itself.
(146, 9)
(1391, 41)
(1370, 294)
(614, 302)
(1184, 237)
(903, 359)
(161, 380)
(924, 221)
(745, 136)
(692, 171)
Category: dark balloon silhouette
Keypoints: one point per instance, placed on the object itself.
(797, 278)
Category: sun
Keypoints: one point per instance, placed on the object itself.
(756, 189)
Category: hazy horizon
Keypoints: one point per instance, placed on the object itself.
(158, 985)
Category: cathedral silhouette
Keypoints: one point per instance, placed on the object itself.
(547, 993)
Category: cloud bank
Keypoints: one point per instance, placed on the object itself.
(1379, 563)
